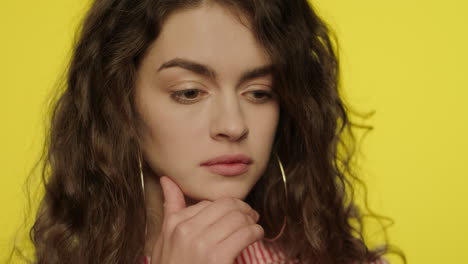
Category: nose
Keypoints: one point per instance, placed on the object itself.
(228, 122)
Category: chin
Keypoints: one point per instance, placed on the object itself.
(216, 196)
(212, 193)
(211, 187)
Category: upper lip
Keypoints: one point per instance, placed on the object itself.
(236, 158)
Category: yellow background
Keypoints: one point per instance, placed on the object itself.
(407, 60)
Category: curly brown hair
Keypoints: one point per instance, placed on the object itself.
(93, 210)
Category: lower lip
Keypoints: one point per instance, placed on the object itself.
(228, 169)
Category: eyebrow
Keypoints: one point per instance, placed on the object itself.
(210, 73)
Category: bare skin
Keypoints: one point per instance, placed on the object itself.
(207, 232)
(228, 111)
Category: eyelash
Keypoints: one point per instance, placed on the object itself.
(178, 94)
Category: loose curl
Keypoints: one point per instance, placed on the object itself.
(93, 210)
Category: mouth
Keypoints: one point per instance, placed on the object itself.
(228, 169)
(228, 165)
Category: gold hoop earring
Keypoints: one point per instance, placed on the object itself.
(141, 176)
(142, 186)
(283, 175)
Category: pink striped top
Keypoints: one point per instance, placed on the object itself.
(259, 253)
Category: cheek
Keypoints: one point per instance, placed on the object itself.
(171, 141)
(263, 127)
(266, 123)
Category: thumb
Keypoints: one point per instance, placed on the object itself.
(174, 200)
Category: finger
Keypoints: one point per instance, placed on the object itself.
(174, 200)
(173, 220)
(232, 246)
(226, 226)
(191, 210)
(212, 213)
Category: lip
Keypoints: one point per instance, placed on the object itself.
(228, 165)
(227, 159)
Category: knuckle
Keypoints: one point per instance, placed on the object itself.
(228, 201)
(238, 216)
(181, 230)
(244, 206)
(170, 222)
(255, 232)
(235, 203)
(259, 230)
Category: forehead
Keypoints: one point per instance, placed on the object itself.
(210, 34)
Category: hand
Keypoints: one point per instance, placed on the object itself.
(204, 233)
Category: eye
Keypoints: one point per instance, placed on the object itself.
(187, 96)
(261, 96)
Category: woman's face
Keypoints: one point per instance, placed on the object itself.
(203, 91)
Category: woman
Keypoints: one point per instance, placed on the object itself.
(198, 131)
